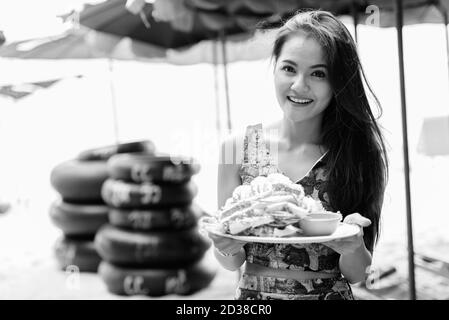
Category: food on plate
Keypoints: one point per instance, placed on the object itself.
(268, 206)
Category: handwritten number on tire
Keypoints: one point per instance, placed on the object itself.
(150, 193)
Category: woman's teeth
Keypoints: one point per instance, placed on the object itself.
(299, 101)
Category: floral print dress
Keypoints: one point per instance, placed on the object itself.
(314, 257)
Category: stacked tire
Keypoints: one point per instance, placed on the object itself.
(151, 245)
(81, 211)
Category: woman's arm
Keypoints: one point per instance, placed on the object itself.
(229, 253)
(231, 262)
(355, 265)
(355, 259)
(228, 169)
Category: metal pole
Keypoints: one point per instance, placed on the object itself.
(217, 100)
(355, 18)
(113, 102)
(447, 38)
(411, 254)
(225, 70)
(446, 32)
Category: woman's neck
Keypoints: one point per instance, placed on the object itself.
(297, 135)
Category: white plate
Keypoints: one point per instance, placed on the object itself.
(344, 230)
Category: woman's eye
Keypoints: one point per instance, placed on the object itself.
(288, 69)
(319, 74)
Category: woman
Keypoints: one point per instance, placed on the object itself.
(329, 142)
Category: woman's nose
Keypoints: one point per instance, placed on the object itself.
(300, 84)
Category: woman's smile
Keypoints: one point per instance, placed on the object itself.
(301, 102)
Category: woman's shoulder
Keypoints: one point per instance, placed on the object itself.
(241, 136)
(264, 126)
(232, 139)
(231, 148)
(265, 131)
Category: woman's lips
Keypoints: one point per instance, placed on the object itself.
(299, 101)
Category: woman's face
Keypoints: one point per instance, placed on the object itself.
(301, 78)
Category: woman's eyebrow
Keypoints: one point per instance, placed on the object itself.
(318, 66)
(312, 67)
(290, 62)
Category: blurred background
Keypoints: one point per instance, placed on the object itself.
(87, 89)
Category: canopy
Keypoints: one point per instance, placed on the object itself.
(235, 11)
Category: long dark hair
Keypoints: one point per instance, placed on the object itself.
(356, 158)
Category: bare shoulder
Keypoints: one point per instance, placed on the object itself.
(228, 167)
(231, 149)
(271, 133)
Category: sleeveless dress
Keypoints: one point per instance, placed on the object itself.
(314, 257)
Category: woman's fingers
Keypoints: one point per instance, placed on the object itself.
(224, 240)
(297, 210)
(213, 236)
(357, 219)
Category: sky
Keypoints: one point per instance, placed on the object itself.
(25, 19)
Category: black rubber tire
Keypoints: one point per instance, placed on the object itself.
(80, 181)
(80, 253)
(179, 218)
(78, 220)
(157, 282)
(120, 194)
(140, 168)
(104, 153)
(155, 249)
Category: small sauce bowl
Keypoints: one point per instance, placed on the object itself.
(320, 224)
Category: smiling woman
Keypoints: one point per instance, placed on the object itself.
(301, 79)
(329, 138)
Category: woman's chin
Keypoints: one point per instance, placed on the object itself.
(294, 116)
(299, 114)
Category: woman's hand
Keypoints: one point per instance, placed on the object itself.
(225, 245)
(351, 244)
(229, 252)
